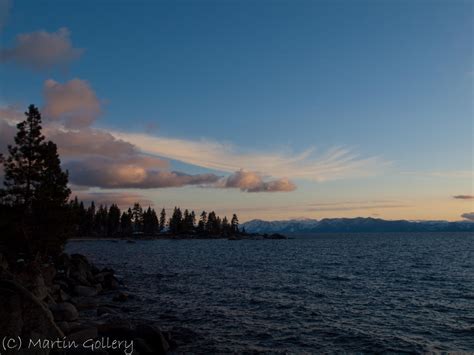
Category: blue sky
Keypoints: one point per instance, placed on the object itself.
(386, 79)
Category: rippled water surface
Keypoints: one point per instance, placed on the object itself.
(322, 293)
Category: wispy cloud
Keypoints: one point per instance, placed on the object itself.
(357, 206)
(336, 163)
(464, 197)
(449, 174)
(42, 50)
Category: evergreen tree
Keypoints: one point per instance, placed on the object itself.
(126, 222)
(150, 221)
(234, 224)
(113, 220)
(211, 225)
(192, 220)
(188, 221)
(162, 220)
(88, 223)
(100, 221)
(36, 191)
(154, 222)
(137, 217)
(176, 221)
(25, 161)
(201, 228)
(225, 226)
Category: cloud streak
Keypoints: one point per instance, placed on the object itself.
(42, 50)
(337, 163)
(464, 197)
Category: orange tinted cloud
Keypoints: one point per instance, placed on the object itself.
(135, 172)
(74, 103)
(253, 182)
(89, 141)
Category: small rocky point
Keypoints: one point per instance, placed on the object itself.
(74, 299)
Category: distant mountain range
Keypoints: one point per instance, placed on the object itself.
(354, 225)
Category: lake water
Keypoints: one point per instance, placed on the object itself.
(321, 293)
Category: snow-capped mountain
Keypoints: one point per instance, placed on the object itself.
(348, 225)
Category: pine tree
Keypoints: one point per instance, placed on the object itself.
(211, 225)
(150, 221)
(234, 224)
(126, 222)
(113, 220)
(154, 223)
(162, 220)
(25, 161)
(201, 228)
(36, 190)
(176, 221)
(137, 217)
(225, 226)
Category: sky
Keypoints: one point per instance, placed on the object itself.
(271, 109)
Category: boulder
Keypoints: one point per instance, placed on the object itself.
(100, 277)
(105, 310)
(3, 263)
(142, 346)
(64, 326)
(63, 263)
(117, 328)
(49, 272)
(120, 297)
(22, 314)
(83, 335)
(63, 296)
(85, 291)
(82, 303)
(64, 312)
(32, 279)
(154, 337)
(98, 287)
(110, 282)
(80, 269)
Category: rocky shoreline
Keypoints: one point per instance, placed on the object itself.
(72, 299)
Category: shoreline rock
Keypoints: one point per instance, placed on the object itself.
(72, 298)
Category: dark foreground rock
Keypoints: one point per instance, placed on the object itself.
(22, 314)
(72, 298)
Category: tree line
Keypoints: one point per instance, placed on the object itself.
(103, 221)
